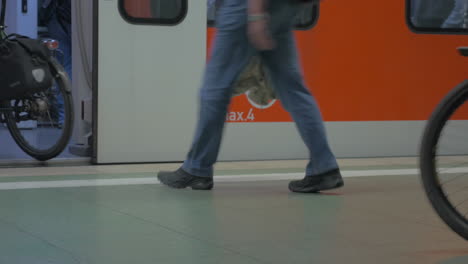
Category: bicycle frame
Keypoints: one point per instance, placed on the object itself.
(4, 110)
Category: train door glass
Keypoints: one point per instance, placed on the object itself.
(153, 11)
(438, 16)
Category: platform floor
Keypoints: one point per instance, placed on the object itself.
(120, 214)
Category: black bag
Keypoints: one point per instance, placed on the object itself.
(24, 67)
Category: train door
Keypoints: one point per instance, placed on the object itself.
(149, 56)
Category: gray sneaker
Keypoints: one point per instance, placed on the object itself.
(180, 179)
(314, 184)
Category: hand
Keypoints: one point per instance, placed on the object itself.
(259, 35)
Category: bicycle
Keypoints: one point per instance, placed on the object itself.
(53, 128)
(444, 159)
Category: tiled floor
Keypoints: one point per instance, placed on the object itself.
(250, 217)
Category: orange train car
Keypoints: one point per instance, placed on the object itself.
(364, 62)
(375, 77)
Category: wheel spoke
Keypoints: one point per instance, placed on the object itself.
(459, 190)
(451, 180)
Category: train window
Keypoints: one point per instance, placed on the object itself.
(162, 12)
(306, 18)
(450, 16)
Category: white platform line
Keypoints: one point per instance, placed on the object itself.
(227, 178)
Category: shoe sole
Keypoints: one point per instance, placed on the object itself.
(208, 188)
(317, 189)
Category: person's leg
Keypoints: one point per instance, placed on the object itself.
(285, 72)
(295, 97)
(231, 54)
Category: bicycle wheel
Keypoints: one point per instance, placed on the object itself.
(50, 118)
(444, 160)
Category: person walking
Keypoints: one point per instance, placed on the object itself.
(264, 28)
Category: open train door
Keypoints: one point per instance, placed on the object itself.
(150, 55)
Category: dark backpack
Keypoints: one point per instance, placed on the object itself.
(24, 67)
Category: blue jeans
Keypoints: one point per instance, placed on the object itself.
(63, 36)
(231, 53)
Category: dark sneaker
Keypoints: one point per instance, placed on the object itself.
(314, 184)
(180, 179)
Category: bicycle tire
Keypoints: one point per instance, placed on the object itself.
(439, 201)
(63, 82)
